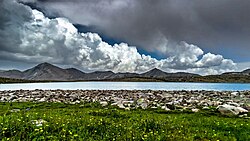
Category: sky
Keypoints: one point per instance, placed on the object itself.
(196, 36)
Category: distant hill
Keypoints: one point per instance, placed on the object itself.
(49, 72)
(157, 73)
(98, 75)
(44, 71)
(246, 71)
(154, 73)
(12, 74)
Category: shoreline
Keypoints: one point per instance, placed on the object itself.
(52, 81)
(132, 99)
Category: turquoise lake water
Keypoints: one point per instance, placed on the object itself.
(128, 86)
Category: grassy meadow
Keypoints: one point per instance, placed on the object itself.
(90, 121)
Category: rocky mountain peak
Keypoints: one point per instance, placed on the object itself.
(246, 71)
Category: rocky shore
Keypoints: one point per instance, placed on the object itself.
(227, 102)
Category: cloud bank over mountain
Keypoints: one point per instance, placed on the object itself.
(27, 35)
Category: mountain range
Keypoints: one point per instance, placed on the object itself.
(49, 72)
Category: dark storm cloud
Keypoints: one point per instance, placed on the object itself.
(211, 24)
(164, 27)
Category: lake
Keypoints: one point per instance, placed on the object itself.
(127, 86)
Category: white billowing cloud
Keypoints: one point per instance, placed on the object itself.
(210, 59)
(81, 49)
(215, 63)
(183, 55)
(36, 38)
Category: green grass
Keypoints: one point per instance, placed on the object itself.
(92, 122)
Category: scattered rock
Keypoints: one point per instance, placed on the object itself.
(233, 104)
(127, 108)
(104, 103)
(131, 99)
(38, 122)
(205, 108)
(195, 110)
(235, 93)
(144, 105)
(153, 107)
(242, 110)
(14, 110)
(127, 102)
(171, 106)
(12, 97)
(42, 100)
(120, 105)
(140, 101)
(3, 99)
(243, 115)
(77, 101)
(165, 108)
(230, 110)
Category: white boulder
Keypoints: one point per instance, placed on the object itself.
(230, 110)
(235, 93)
(121, 106)
(165, 108)
(195, 110)
(104, 103)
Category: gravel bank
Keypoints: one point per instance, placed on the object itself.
(133, 98)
